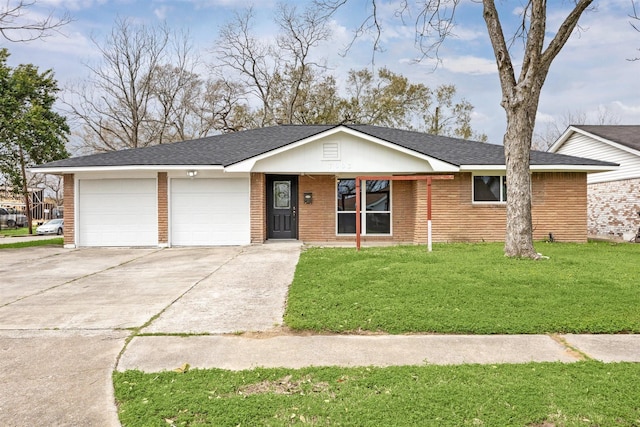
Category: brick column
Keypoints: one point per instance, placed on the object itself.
(163, 210)
(68, 204)
(258, 208)
(420, 229)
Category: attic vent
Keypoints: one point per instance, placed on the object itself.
(330, 151)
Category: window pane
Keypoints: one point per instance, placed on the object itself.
(282, 194)
(346, 223)
(504, 188)
(486, 188)
(378, 223)
(347, 195)
(378, 195)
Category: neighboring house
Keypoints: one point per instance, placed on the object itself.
(297, 182)
(614, 196)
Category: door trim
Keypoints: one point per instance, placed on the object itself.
(270, 179)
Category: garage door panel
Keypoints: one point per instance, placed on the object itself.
(118, 212)
(210, 212)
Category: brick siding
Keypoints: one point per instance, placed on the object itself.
(613, 208)
(163, 209)
(258, 212)
(68, 203)
(317, 221)
(559, 207)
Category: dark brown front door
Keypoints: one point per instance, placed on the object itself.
(282, 206)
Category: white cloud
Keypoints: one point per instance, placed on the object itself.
(627, 111)
(544, 118)
(469, 65)
(161, 12)
(72, 4)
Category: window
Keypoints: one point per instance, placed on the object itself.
(490, 188)
(376, 209)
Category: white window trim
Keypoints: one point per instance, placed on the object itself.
(363, 195)
(503, 197)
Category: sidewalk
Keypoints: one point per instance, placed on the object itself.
(158, 353)
(26, 238)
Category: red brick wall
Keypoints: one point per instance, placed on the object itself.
(69, 209)
(163, 210)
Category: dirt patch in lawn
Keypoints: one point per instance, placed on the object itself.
(285, 385)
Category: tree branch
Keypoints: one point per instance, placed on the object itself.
(15, 27)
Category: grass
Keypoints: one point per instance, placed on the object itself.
(467, 288)
(23, 231)
(58, 241)
(536, 394)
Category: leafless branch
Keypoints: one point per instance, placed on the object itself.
(634, 24)
(15, 26)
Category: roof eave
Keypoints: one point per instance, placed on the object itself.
(542, 168)
(563, 138)
(573, 168)
(78, 169)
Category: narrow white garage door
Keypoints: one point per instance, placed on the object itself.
(117, 212)
(210, 212)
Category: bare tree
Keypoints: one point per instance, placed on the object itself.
(551, 131)
(301, 32)
(133, 96)
(520, 93)
(274, 74)
(635, 23)
(16, 26)
(255, 62)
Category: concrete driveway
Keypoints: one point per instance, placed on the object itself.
(65, 315)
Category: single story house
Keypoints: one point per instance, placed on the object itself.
(613, 198)
(298, 182)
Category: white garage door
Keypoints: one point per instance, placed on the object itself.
(210, 212)
(117, 212)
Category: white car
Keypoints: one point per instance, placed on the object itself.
(55, 226)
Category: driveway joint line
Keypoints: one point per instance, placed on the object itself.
(135, 331)
(571, 350)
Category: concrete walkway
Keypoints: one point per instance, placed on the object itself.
(158, 353)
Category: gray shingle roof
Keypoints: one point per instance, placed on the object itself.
(227, 149)
(627, 135)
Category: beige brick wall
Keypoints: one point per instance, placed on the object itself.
(559, 207)
(163, 209)
(613, 208)
(69, 209)
(317, 221)
(258, 208)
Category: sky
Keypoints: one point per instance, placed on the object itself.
(592, 74)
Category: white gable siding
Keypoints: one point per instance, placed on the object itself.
(584, 146)
(353, 155)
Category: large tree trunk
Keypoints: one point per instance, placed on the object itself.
(517, 145)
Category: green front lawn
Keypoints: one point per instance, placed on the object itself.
(467, 288)
(56, 241)
(536, 394)
(23, 231)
